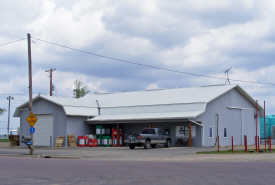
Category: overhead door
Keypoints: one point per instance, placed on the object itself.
(43, 130)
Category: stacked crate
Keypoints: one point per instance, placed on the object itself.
(14, 140)
(114, 136)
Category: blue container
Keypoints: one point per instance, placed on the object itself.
(271, 119)
(267, 130)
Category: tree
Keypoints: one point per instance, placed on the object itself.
(80, 89)
(2, 111)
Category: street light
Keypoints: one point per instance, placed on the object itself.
(9, 98)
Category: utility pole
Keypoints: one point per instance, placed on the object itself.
(9, 98)
(30, 82)
(51, 79)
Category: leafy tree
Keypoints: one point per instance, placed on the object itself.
(2, 111)
(80, 89)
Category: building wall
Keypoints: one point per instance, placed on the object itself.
(238, 122)
(45, 107)
(77, 127)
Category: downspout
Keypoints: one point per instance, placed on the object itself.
(217, 126)
(98, 107)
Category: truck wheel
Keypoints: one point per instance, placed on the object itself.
(153, 146)
(168, 143)
(132, 146)
(147, 144)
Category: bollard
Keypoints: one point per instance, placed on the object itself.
(50, 141)
(245, 144)
(218, 144)
(259, 144)
(270, 144)
(256, 143)
(232, 144)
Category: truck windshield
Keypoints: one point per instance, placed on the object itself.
(148, 131)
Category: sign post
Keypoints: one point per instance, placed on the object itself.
(32, 119)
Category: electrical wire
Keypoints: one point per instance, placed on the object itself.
(12, 42)
(149, 66)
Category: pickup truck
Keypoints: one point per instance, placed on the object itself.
(149, 137)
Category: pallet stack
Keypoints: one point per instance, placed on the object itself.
(71, 140)
(14, 140)
(59, 141)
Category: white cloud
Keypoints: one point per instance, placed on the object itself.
(202, 37)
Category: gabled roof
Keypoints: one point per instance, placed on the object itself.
(154, 104)
(71, 106)
(161, 98)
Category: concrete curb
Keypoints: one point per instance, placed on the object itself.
(39, 156)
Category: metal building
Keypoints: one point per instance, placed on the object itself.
(224, 110)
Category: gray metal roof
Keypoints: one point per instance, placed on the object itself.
(154, 104)
(160, 97)
(145, 116)
(71, 106)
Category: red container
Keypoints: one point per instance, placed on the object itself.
(89, 143)
(82, 140)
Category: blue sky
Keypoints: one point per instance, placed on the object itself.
(201, 37)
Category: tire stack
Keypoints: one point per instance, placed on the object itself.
(114, 137)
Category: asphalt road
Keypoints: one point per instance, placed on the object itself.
(19, 170)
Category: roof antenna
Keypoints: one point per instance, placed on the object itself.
(226, 73)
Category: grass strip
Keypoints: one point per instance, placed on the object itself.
(4, 140)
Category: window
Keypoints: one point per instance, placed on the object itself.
(160, 132)
(211, 132)
(148, 131)
(225, 132)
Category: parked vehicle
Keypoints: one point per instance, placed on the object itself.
(149, 137)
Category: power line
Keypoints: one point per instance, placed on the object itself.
(12, 42)
(149, 66)
(18, 94)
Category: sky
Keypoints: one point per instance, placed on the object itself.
(188, 37)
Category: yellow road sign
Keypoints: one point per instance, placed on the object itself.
(32, 119)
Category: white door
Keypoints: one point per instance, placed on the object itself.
(43, 130)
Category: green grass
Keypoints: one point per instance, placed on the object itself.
(235, 152)
(4, 140)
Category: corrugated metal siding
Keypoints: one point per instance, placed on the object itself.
(45, 107)
(230, 118)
